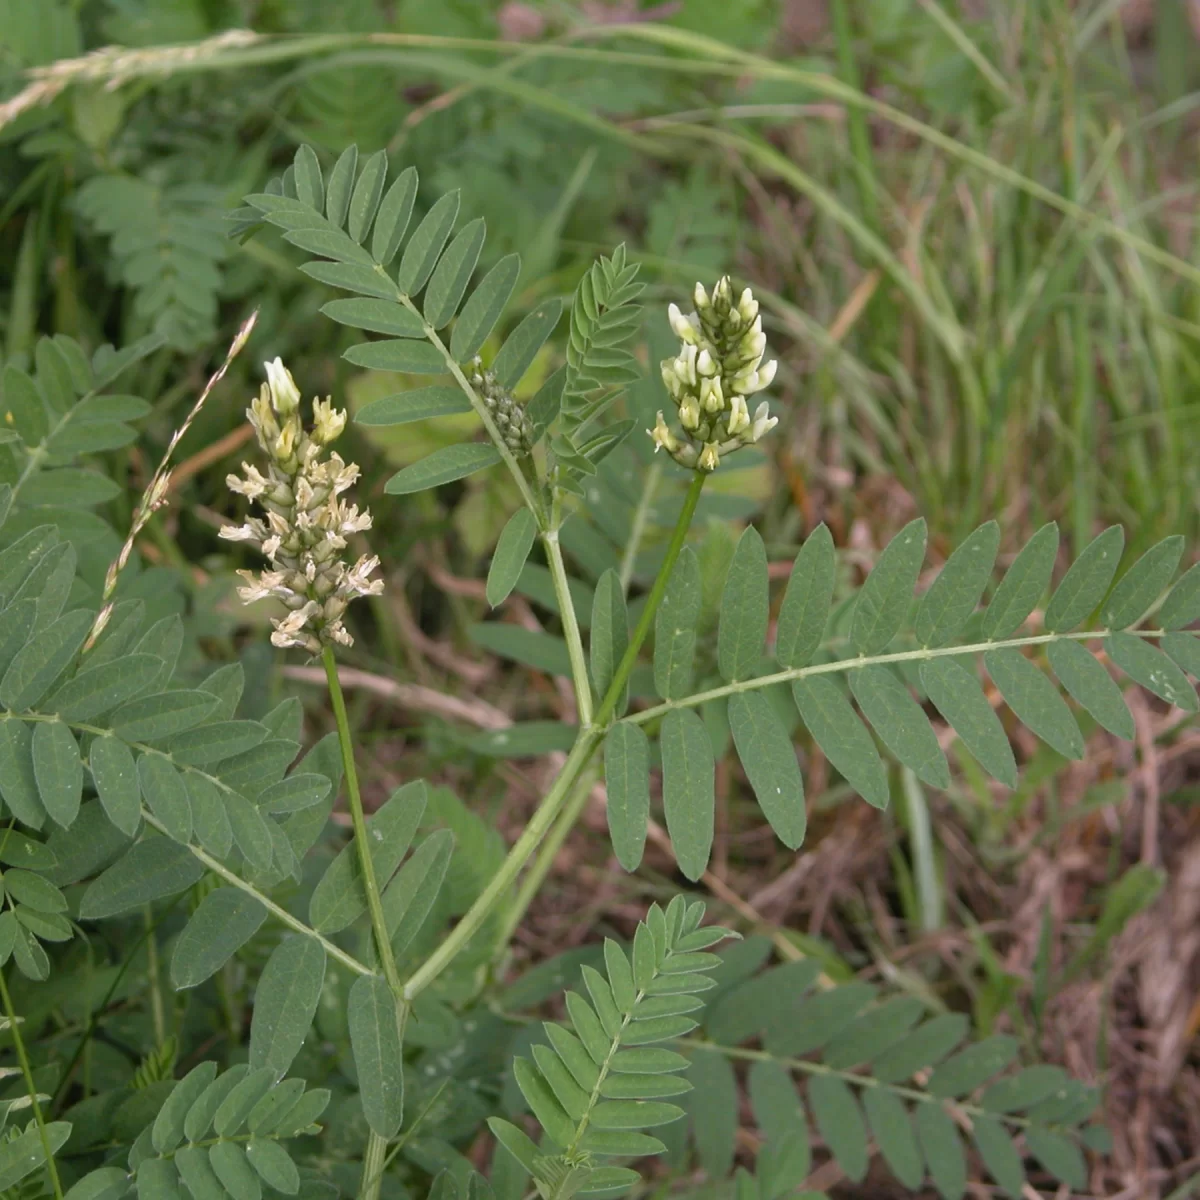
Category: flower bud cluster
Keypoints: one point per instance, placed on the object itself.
(307, 523)
(719, 364)
(508, 413)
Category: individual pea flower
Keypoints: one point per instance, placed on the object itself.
(719, 364)
(306, 524)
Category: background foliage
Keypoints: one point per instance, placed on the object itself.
(1003, 324)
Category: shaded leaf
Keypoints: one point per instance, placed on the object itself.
(688, 796)
(742, 630)
(1034, 700)
(1084, 585)
(884, 599)
(1091, 686)
(443, 466)
(769, 760)
(285, 1002)
(843, 739)
(627, 784)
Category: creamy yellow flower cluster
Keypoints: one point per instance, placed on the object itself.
(306, 524)
(719, 364)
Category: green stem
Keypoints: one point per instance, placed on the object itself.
(27, 1071)
(156, 1004)
(625, 667)
(570, 623)
(376, 1151)
(521, 852)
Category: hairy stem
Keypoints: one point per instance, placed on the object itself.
(376, 1151)
(26, 1070)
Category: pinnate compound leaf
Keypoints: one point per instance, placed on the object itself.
(1085, 584)
(1023, 585)
(840, 1123)
(443, 466)
(1142, 584)
(151, 869)
(424, 247)
(675, 628)
(806, 603)
(58, 771)
(886, 596)
(484, 307)
(1182, 605)
(1149, 666)
(1091, 686)
(521, 346)
(627, 784)
(943, 1150)
(842, 737)
(999, 1155)
(892, 1128)
(225, 921)
(769, 760)
(512, 550)
(688, 789)
(953, 595)
(340, 898)
(1034, 700)
(742, 630)
(900, 722)
(285, 1002)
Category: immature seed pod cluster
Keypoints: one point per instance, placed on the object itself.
(307, 524)
(719, 364)
(509, 414)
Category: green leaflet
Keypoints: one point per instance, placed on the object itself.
(966, 1070)
(806, 603)
(521, 346)
(18, 784)
(25, 1153)
(742, 630)
(900, 722)
(884, 599)
(377, 316)
(418, 404)
(226, 919)
(1184, 650)
(953, 595)
(1091, 686)
(525, 739)
(162, 715)
(307, 173)
(274, 1165)
(339, 185)
(1023, 585)
(956, 693)
(775, 1101)
(843, 739)
(675, 628)
(1024, 1089)
(285, 1002)
(892, 1129)
(413, 891)
(424, 247)
(167, 1131)
(151, 869)
(1034, 700)
(339, 898)
(443, 466)
(999, 1155)
(364, 200)
(394, 214)
(1059, 1155)
(352, 277)
(1084, 585)
(165, 795)
(298, 791)
(375, 1038)
(329, 243)
(58, 771)
(1149, 666)
(512, 550)
(926, 1046)
(817, 1019)
(840, 1122)
(239, 1179)
(868, 1036)
(1182, 605)
(529, 647)
(769, 760)
(40, 662)
(688, 796)
(99, 689)
(609, 636)
(210, 821)
(627, 784)
(943, 1150)
(484, 307)
(402, 355)
(452, 274)
(1142, 584)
